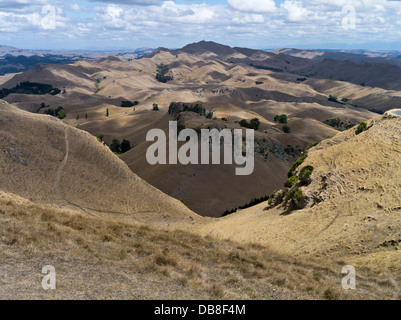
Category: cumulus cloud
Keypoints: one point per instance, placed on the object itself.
(259, 6)
(295, 10)
(129, 23)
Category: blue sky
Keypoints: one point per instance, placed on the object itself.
(129, 24)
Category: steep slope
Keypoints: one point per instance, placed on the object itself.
(351, 208)
(48, 162)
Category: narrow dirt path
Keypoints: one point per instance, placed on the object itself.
(60, 193)
(60, 171)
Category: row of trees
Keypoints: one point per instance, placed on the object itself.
(128, 104)
(30, 88)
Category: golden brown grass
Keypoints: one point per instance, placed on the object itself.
(105, 257)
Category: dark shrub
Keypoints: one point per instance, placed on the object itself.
(125, 146)
(286, 129)
(296, 164)
(361, 127)
(281, 118)
(304, 175)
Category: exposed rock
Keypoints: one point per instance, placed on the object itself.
(15, 155)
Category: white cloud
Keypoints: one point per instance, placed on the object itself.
(295, 11)
(77, 8)
(130, 23)
(258, 6)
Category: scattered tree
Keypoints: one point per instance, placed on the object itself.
(125, 146)
(120, 148)
(59, 112)
(283, 118)
(253, 124)
(161, 73)
(287, 129)
(115, 146)
(333, 98)
(155, 107)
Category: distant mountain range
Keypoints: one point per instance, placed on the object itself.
(14, 60)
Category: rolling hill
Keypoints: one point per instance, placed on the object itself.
(234, 83)
(66, 200)
(54, 164)
(114, 226)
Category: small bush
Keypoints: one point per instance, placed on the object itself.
(155, 107)
(296, 164)
(304, 175)
(313, 145)
(333, 98)
(361, 127)
(286, 129)
(296, 195)
(291, 181)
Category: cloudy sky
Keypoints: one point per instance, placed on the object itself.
(128, 24)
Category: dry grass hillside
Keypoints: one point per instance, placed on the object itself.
(108, 257)
(48, 162)
(67, 201)
(351, 208)
(233, 83)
